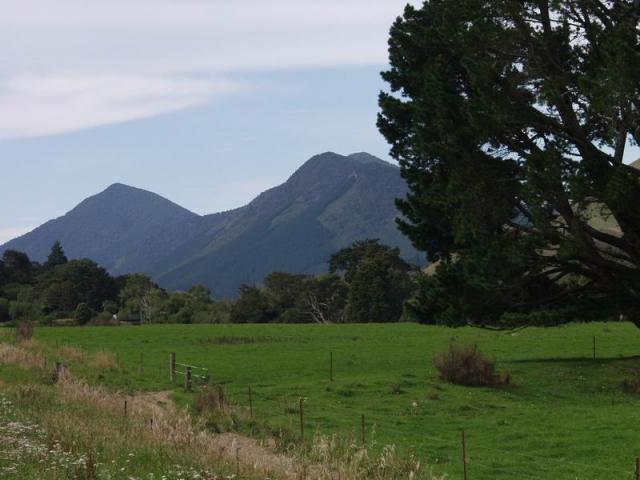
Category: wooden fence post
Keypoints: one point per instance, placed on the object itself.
(187, 379)
(464, 454)
(301, 419)
(250, 403)
(172, 367)
(60, 370)
(125, 408)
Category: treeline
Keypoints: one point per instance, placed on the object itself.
(366, 282)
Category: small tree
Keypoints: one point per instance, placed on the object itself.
(137, 296)
(56, 257)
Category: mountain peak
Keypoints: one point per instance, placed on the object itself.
(118, 186)
(364, 157)
(330, 163)
(331, 201)
(122, 188)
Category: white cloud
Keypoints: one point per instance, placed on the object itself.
(60, 102)
(73, 64)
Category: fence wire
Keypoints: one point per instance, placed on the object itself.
(491, 461)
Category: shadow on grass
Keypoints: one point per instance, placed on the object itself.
(576, 360)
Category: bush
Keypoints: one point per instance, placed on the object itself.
(82, 314)
(212, 405)
(210, 401)
(466, 365)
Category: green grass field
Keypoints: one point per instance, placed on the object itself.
(564, 417)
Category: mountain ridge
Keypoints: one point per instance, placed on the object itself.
(330, 201)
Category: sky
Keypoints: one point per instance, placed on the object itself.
(206, 102)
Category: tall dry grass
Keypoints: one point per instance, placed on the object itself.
(86, 418)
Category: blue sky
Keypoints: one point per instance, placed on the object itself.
(206, 102)
(208, 158)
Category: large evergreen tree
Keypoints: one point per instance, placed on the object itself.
(510, 122)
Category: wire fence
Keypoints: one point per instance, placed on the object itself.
(284, 411)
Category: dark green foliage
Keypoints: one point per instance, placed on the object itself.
(20, 311)
(283, 290)
(252, 306)
(4, 310)
(375, 285)
(349, 259)
(377, 293)
(17, 268)
(510, 122)
(78, 281)
(80, 288)
(56, 257)
(378, 279)
(82, 314)
(287, 298)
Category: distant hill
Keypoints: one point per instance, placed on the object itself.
(122, 228)
(328, 203)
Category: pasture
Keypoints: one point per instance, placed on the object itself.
(565, 415)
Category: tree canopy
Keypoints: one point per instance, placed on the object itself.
(510, 122)
(378, 280)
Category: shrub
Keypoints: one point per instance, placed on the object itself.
(213, 407)
(210, 401)
(82, 314)
(466, 365)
